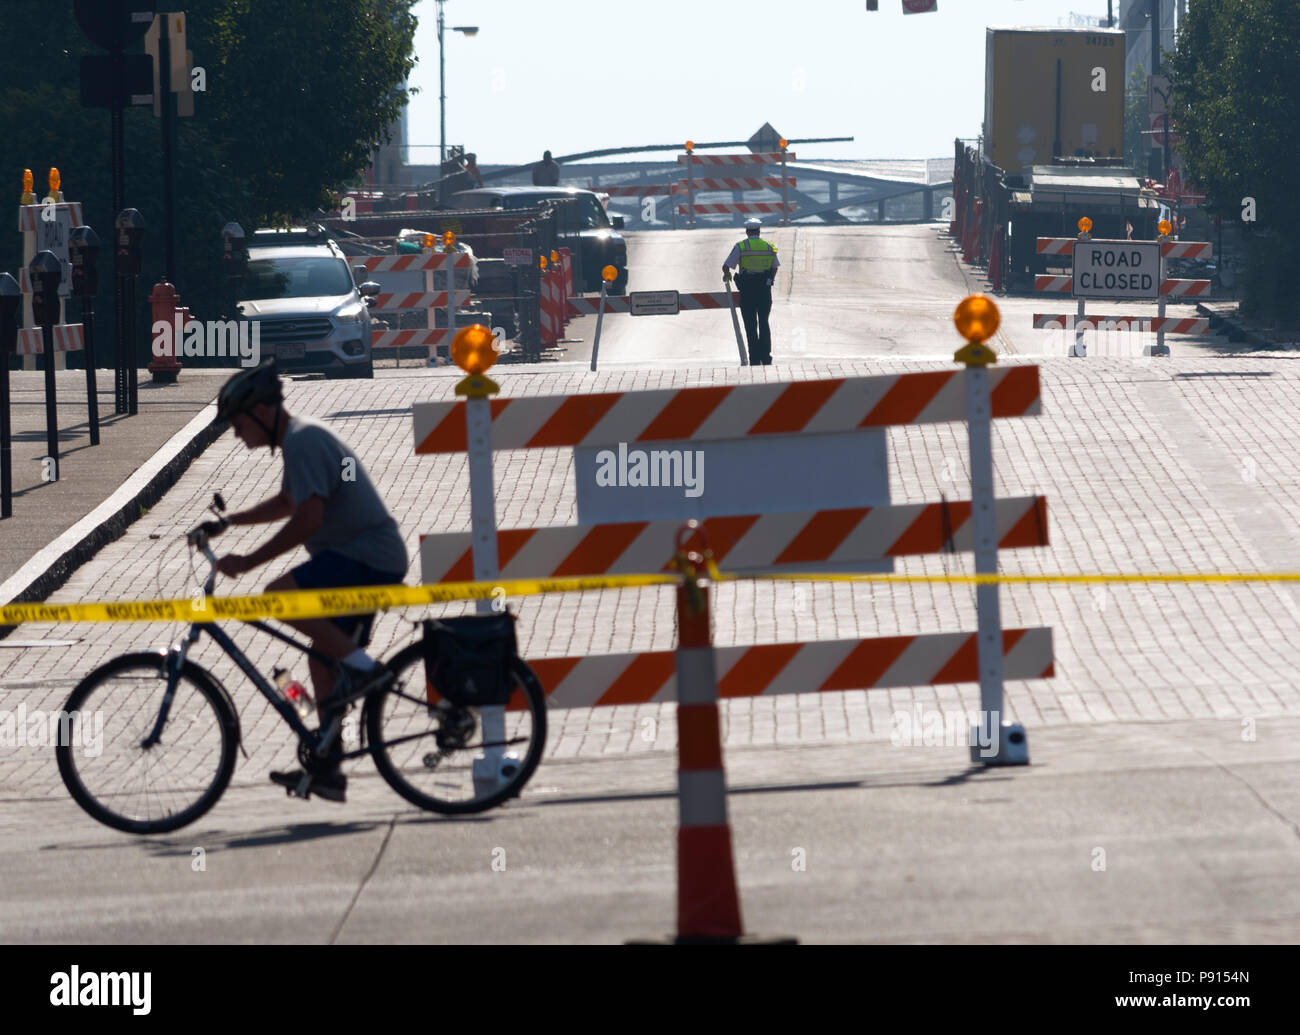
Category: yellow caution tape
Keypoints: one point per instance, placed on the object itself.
(295, 604)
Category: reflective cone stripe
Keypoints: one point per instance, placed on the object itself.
(741, 543)
(423, 261)
(726, 412)
(417, 300)
(823, 666)
(67, 338)
(708, 903)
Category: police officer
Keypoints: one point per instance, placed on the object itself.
(758, 265)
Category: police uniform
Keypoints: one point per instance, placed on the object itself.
(758, 265)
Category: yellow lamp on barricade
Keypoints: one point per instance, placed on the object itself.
(609, 274)
(448, 240)
(1165, 227)
(29, 196)
(55, 181)
(690, 145)
(1085, 227)
(475, 350)
(977, 319)
(541, 262)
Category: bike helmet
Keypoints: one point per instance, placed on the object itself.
(259, 384)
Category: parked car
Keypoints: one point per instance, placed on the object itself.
(312, 315)
(601, 243)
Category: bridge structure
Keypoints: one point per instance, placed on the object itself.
(826, 191)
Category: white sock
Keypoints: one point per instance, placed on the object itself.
(359, 659)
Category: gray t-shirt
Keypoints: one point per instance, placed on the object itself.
(356, 523)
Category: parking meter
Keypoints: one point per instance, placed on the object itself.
(234, 260)
(83, 253)
(46, 273)
(10, 299)
(130, 238)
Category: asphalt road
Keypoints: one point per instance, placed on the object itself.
(841, 293)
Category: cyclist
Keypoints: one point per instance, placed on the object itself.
(334, 511)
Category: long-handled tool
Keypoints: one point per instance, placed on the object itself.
(735, 322)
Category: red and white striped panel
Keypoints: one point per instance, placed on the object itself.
(739, 206)
(1186, 249)
(1168, 324)
(1056, 245)
(771, 158)
(1048, 282)
(1185, 287)
(417, 300)
(726, 411)
(637, 190)
(29, 216)
(67, 338)
(423, 261)
(748, 543)
(734, 183)
(394, 339)
(794, 668)
(588, 306)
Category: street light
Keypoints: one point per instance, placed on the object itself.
(468, 30)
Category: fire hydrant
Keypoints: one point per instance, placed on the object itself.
(165, 302)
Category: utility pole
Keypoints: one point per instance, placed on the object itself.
(442, 95)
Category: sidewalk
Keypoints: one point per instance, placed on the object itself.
(88, 475)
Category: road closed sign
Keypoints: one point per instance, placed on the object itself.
(1117, 269)
(653, 303)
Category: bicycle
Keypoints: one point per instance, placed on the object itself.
(187, 732)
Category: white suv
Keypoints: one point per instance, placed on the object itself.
(311, 313)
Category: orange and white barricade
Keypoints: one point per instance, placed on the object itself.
(771, 445)
(1161, 289)
(434, 297)
(692, 184)
(45, 227)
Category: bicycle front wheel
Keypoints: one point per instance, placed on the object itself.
(110, 772)
(454, 760)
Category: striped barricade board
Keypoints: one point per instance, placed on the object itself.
(823, 540)
(67, 338)
(823, 666)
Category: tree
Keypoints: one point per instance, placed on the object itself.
(297, 94)
(1236, 103)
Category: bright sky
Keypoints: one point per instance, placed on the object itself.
(575, 75)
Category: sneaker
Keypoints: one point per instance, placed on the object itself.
(332, 786)
(356, 682)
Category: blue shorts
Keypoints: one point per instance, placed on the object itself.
(331, 570)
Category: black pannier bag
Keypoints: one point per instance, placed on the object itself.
(468, 660)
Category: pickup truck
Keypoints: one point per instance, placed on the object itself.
(601, 243)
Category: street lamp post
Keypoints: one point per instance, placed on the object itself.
(468, 30)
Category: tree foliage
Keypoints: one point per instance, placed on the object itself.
(1236, 105)
(298, 92)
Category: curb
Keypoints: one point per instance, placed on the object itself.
(1233, 328)
(54, 564)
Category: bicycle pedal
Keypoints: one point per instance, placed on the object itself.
(303, 790)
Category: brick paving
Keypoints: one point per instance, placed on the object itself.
(1186, 464)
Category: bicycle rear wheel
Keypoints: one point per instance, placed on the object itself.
(434, 756)
(125, 785)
